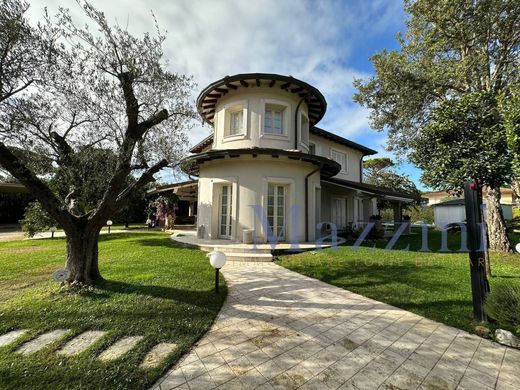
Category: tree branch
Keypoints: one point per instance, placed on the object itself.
(154, 120)
(132, 106)
(145, 178)
(64, 149)
(40, 190)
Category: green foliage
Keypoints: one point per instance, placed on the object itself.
(463, 140)
(380, 172)
(457, 63)
(509, 105)
(85, 179)
(450, 48)
(421, 213)
(513, 224)
(36, 220)
(503, 305)
(516, 212)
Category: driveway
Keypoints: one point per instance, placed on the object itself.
(279, 329)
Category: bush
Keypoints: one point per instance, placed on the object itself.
(513, 224)
(36, 220)
(503, 305)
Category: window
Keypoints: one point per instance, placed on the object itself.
(304, 129)
(312, 148)
(237, 120)
(273, 119)
(340, 158)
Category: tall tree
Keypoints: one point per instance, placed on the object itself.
(450, 49)
(380, 172)
(98, 95)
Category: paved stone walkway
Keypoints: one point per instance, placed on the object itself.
(282, 330)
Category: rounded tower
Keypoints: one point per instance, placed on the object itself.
(258, 175)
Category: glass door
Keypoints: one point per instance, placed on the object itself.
(225, 212)
(276, 210)
(339, 213)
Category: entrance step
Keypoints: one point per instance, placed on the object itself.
(157, 354)
(118, 349)
(231, 249)
(81, 343)
(41, 341)
(264, 257)
(11, 336)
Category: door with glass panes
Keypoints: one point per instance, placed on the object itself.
(276, 207)
(225, 212)
(339, 212)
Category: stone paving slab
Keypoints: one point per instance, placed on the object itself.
(279, 329)
(81, 342)
(119, 348)
(41, 341)
(157, 354)
(11, 336)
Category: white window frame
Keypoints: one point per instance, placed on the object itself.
(344, 166)
(290, 198)
(230, 108)
(285, 120)
(304, 142)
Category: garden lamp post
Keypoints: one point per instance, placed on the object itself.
(52, 230)
(109, 223)
(217, 261)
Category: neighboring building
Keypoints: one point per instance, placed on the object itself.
(454, 211)
(435, 197)
(267, 159)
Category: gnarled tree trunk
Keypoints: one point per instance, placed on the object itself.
(496, 226)
(82, 256)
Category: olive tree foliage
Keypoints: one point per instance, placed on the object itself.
(454, 53)
(100, 93)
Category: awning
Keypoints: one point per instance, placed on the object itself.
(380, 192)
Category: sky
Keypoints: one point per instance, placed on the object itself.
(325, 43)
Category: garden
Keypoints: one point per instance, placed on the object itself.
(151, 289)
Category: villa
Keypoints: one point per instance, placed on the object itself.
(267, 170)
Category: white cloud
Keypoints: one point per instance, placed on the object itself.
(310, 40)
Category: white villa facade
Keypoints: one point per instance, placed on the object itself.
(267, 171)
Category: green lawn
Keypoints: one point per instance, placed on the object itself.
(432, 284)
(153, 288)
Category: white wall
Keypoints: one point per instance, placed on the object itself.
(324, 147)
(255, 99)
(249, 177)
(450, 214)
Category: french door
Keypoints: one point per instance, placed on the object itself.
(276, 205)
(225, 212)
(339, 212)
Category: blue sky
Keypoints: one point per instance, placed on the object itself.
(325, 43)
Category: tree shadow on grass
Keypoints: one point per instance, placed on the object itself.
(199, 298)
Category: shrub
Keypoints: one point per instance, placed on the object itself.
(503, 305)
(36, 220)
(513, 224)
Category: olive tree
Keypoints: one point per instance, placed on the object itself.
(94, 88)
